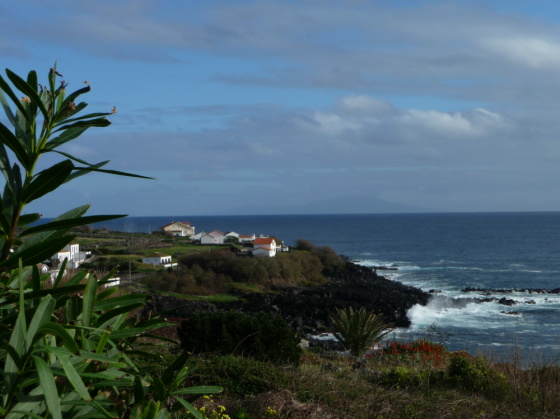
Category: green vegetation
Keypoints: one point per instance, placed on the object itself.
(358, 330)
(418, 379)
(222, 271)
(66, 345)
(260, 336)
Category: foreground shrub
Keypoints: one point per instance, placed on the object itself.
(261, 336)
(475, 376)
(237, 375)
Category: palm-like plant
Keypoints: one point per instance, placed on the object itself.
(358, 330)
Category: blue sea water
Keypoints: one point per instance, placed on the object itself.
(443, 252)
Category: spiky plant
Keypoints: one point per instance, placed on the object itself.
(359, 329)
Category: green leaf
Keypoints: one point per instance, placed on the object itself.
(26, 89)
(4, 86)
(14, 144)
(105, 317)
(98, 122)
(48, 386)
(13, 353)
(193, 411)
(26, 219)
(70, 223)
(89, 301)
(102, 342)
(160, 393)
(70, 98)
(60, 274)
(58, 330)
(179, 362)
(64, 137)
(47, 181)
(17, 342)
(36, 253)
(111, 172)
(42, 315)
(88, 116)
(111, 303)
(29, 406)
(71, 373)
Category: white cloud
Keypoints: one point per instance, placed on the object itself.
(536, 53)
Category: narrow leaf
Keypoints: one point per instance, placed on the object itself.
(59, 331)
(4, 86)
(89, 301)
(71, 373)
(98, 122)
(48, 386)
(70, 223)
(25, 88)
(193, 411)
(42, 315)
(47, 181)
(14, 144)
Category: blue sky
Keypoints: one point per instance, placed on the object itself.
(305, 106)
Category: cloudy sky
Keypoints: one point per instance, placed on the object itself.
(247, 106)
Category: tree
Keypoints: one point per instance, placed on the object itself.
(65, 350)
(358, 330)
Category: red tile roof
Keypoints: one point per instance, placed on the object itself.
(263, 240)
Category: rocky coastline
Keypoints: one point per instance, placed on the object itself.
(309, 308)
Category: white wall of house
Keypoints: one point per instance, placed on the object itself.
(211, 238)
(264, 252)
(157, 259)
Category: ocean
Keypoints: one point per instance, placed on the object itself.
(445, 253)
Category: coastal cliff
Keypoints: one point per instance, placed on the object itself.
(310, 307)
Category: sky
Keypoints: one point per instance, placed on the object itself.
(307, 106)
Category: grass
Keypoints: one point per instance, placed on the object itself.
(387, 385)
(215, 298)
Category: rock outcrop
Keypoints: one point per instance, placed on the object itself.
(309, 308)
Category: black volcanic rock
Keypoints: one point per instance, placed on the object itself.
(310, 307)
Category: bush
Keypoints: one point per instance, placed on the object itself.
(475, 376)
(237, 375)
(261, 336)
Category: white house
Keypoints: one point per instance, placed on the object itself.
(73, 254)
(158, 259)
(179, 229)
(268, 244)
(232, 234)
(214, 237)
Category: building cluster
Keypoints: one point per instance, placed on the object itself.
(261, 245)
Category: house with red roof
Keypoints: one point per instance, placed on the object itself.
(264, 246)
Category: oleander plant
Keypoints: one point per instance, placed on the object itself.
(66, 345)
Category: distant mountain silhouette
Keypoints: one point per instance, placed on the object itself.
(350, 204)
